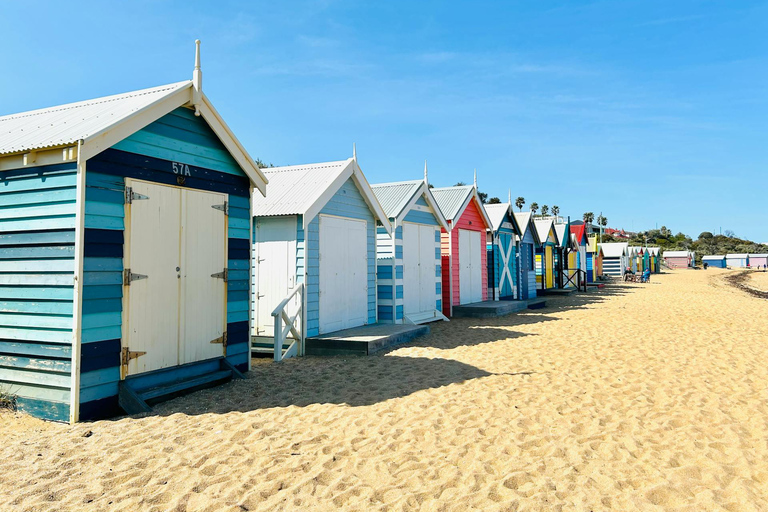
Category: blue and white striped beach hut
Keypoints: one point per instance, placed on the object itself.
(317, 226)
(124, 262)
(409, 284)
(528, 243)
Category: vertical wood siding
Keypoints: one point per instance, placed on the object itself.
(37, 248)
(346, 202)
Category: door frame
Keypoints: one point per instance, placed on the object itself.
(127, 227)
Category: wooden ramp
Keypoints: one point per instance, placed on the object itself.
(364, 340)
(496, 308)
(557, 292)
(137, 393)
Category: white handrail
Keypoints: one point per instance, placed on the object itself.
(294, 325)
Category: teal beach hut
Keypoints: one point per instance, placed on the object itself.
(124, 254)
(503, 252)
(528, 243)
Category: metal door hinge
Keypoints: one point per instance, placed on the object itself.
(221, 339)
(131, 196)
(223, 207)
(222, 275)
(128, 277)
(126, 355)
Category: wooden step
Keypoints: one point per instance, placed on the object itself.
(173, 389)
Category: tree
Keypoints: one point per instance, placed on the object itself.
(555, 210)
(494, 200)
(483, 197)
(261, 165)
(544, 209)
(706, 235)
(534, 208)
(603, 221)
(729, 233)
(589, 217)
(520, 202)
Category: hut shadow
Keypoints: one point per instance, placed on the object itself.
(354, 381)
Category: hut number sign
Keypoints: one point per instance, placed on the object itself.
(181, 169)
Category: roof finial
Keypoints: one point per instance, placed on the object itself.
(426, 180)
(197, 79)
(475, 177)
(354, 152)
(509, 195)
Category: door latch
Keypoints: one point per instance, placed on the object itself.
(129, 276)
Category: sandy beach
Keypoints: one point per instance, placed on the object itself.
(637, 397)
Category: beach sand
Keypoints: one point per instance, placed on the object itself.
(758, 280)
(638, 397)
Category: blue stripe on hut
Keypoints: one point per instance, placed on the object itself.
(114, 218)
(503, 252)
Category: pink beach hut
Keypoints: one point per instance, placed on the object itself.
(758, 260)
(463, 246)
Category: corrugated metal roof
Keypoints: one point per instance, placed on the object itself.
(758, 255)
(497, 213)
(614, 249)
(713, 257)
(395, 196)
(542, 228)
(676, 254)
(66, 124)
(451, 199)
(735, 255)
(294, 189)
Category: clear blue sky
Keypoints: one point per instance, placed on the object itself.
(653, 112)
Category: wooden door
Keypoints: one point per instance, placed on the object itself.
(411, 269)
(153, 256)
(427, 268)
(274, 270)
(202, 315)
(343, 273)
(470, 267)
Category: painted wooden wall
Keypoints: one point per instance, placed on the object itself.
(346, 202)
(527, 269)
(502, 240)
(471, 219)
(37, 250)
(389, 253)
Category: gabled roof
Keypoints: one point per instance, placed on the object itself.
(305, 189)
(543, 227)
(498, 212)
(614, 249)
(398, 198)
(100, 123)
(562, 233)
(580, 231)
(525, 221)
(452, 202)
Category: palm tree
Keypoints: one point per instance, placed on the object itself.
(602, 221)
(534, 208)
(555, 210)
(544, 209)
(589, 217)
(520, 202)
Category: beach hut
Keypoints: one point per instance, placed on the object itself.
(463, 246)
(594, 259)
(124, 255)
(502, 252)
(408, 260)
(615, 258)
(316, 228)
(715, 261)
(758, 260)
(654, 259)
(579, 235)
(677, 259)
(564, 254)
(737, 260)
(528, 241)
(545, 253)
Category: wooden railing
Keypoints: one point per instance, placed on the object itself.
(575, 276)
(285, 325)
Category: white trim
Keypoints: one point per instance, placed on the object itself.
(368, 195)
(59, 155)
(433, 208)
(77, 313)
(316, 207)
(250, 277)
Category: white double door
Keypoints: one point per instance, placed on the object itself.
(419, 281)
(471, 252)
(343, 273)
(176, 242)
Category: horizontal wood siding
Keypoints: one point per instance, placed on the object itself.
(471, 220)
(445, 270)
(349, 203)
(37, 250)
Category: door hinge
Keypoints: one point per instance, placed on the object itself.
(127, 355)
(131, 196)
(223, 207)
(221, 339)
(224, 274)
(128, 277)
